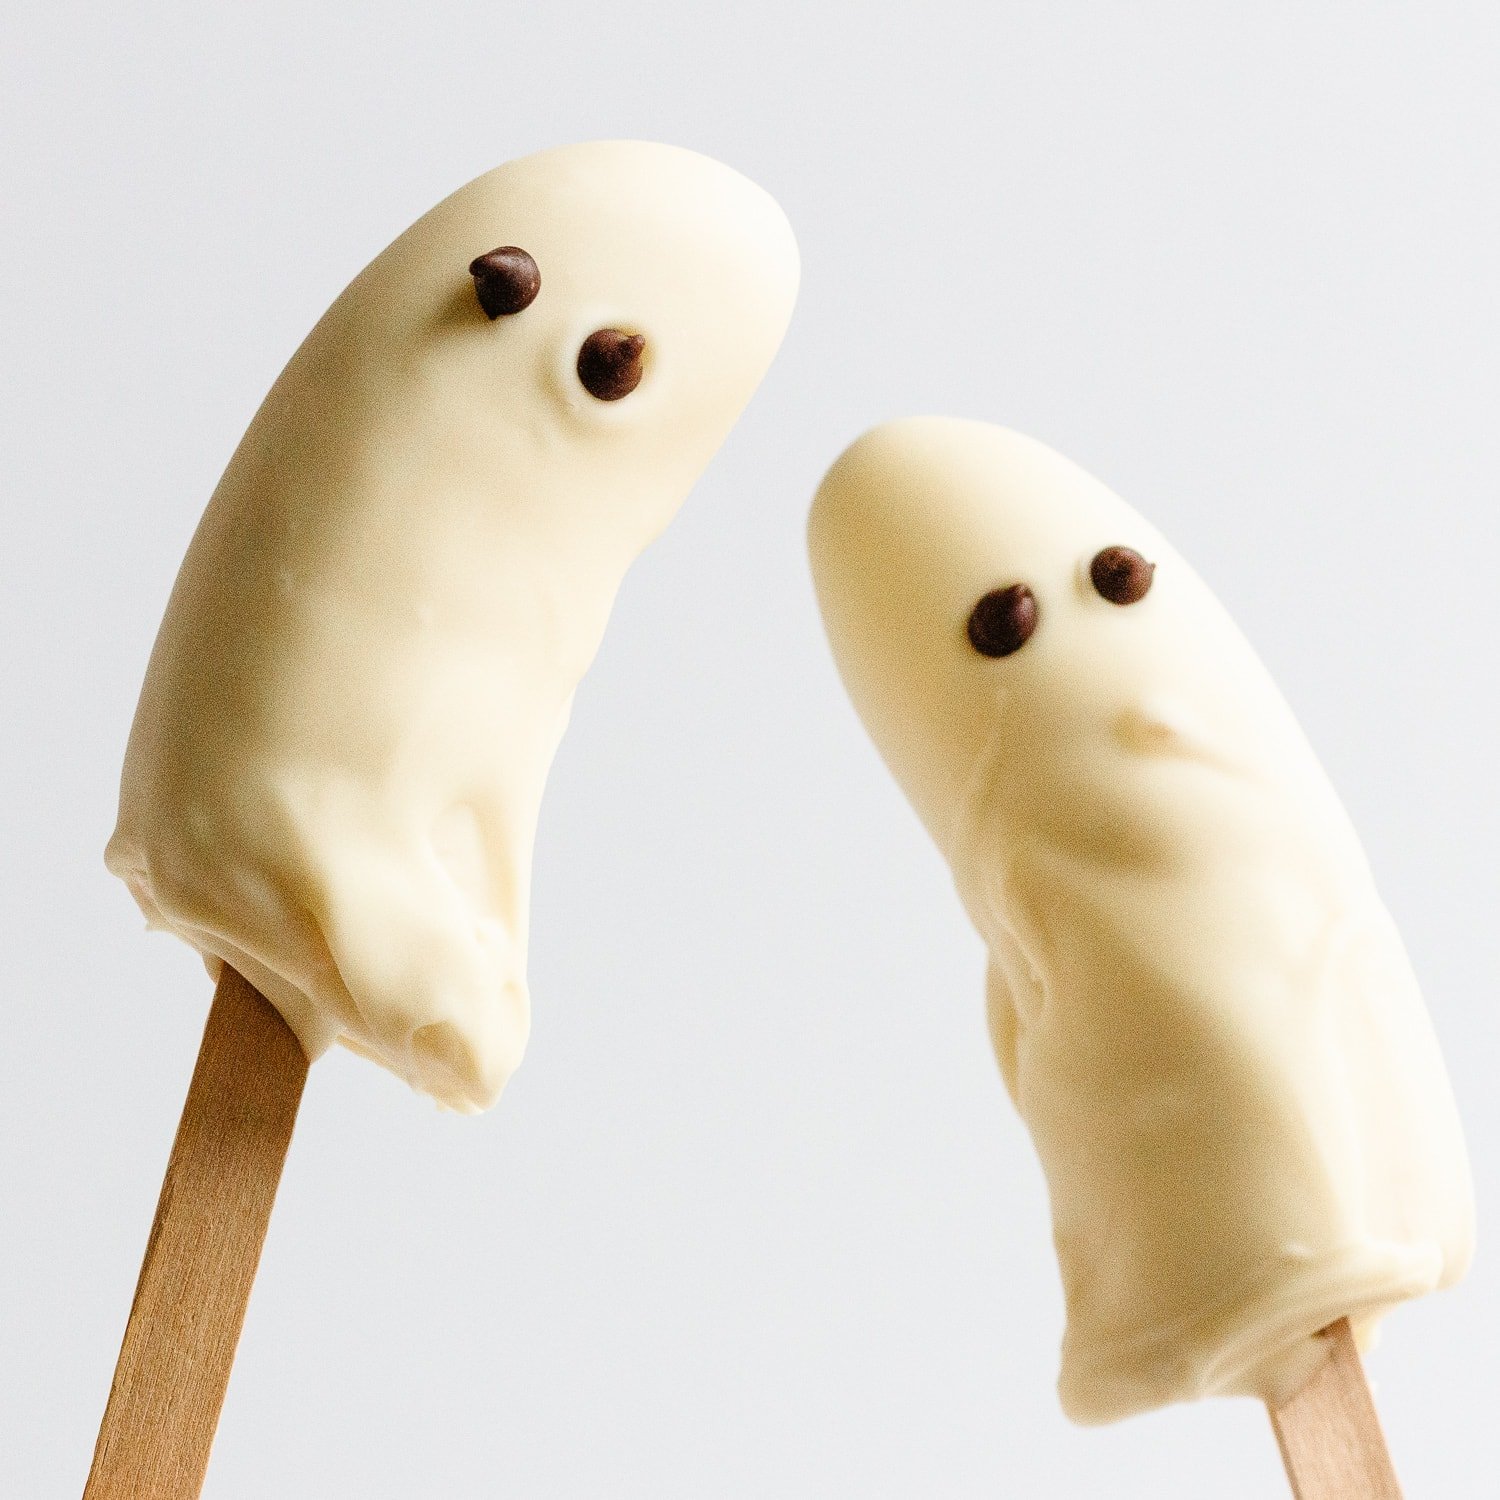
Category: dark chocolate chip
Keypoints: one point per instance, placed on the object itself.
(505, 281)
(611, 363)
(1121, 575)
(1002, 622)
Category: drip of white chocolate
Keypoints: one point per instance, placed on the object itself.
(336, 766)
(1200, 1006)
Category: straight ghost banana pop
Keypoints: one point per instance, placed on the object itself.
(334, 775)
(1199, 1005)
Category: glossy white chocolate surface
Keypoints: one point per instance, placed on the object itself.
(370, 653)
(1201, 1009)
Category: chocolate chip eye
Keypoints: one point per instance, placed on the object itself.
(1002, 622)
(1121, 575)
(611, 363)
(506, 281)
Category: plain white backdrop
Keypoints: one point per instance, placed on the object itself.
(755, 1218)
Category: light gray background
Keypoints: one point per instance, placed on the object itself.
(755, 1219)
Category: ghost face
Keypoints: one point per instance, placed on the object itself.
(1008, 627)
(579, 329)
(1102, 732)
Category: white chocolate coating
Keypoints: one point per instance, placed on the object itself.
(1200, 1007)
(369, 656)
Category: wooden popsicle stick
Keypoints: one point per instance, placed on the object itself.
(1329, 1432)
(200, 1260)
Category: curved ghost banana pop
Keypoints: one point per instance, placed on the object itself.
(369, 657)
(1201, 1009)
(333, 778)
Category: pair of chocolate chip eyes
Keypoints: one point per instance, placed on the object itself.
(610, 363)
(1005, 619)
